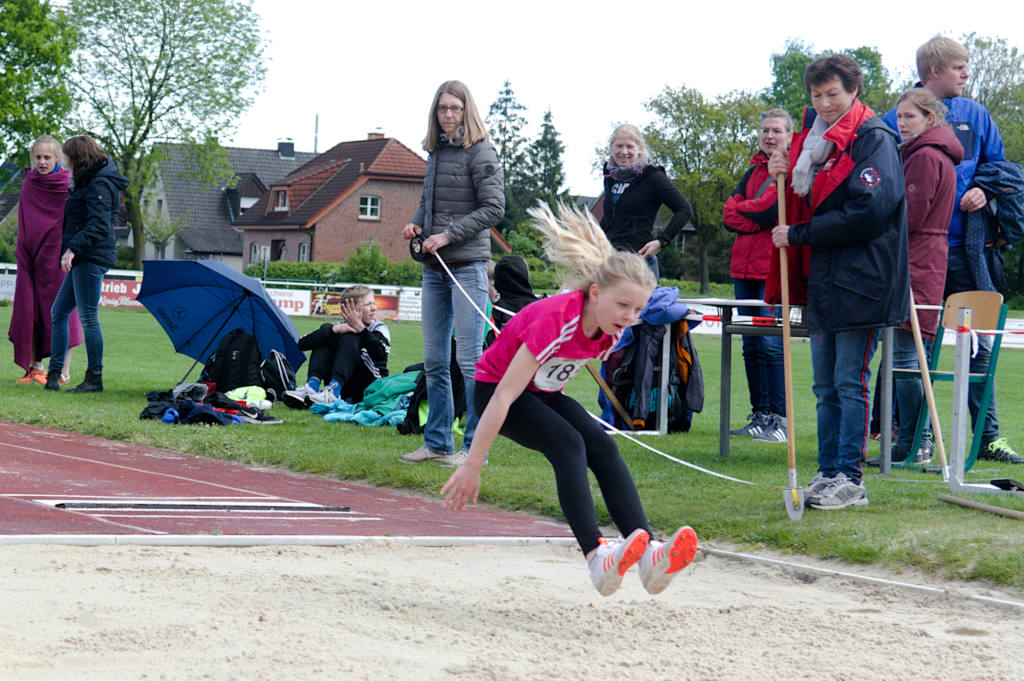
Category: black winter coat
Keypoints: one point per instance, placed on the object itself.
(859, 275)
(90, 213)
(629, 222)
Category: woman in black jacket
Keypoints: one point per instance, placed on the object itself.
(634, 190)
(88, 250)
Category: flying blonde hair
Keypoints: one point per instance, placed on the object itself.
(575, 240)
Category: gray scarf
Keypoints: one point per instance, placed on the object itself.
(813, 155)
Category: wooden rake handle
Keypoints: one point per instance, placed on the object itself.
(787, 358)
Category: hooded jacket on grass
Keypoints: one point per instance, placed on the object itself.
(512, 282)
(90, 213)
(929, 167)
(854, 220)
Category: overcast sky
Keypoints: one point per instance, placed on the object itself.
(374, 65)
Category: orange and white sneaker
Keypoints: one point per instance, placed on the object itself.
(663, 560)
(610, 561)
(33, 376)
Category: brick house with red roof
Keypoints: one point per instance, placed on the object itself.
(356, 192)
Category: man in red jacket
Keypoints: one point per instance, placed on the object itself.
(751, 212)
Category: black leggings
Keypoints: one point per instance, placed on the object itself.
(559, 428)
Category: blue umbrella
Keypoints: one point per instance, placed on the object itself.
(199, 301)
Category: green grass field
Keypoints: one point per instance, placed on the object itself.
(904, 526)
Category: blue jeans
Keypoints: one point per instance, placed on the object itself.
(909, 392)
(81, 289)
(762, 355)
(446, 308)
(958, 278)
(842, 378)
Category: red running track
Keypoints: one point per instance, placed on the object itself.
(56, 483)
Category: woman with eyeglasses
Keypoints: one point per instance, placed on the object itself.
(846, 203)
(463, 198)
(634, 190)
(750, 213)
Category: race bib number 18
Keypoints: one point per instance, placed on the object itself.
(556, 373)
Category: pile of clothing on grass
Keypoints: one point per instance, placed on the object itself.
(190, 403)
(385, 402)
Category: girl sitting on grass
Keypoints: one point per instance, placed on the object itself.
(518, 392)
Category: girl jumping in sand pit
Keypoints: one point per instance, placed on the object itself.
(518, 392)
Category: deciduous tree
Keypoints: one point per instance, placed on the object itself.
(705, 146)
(163, 70)
(789, 91)
(35, 52)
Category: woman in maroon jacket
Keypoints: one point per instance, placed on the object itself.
(751, 212)
(930, 152)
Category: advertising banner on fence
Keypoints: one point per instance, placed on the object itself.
(291, 301)
(328, 304)
(7, 286)
(120, 293)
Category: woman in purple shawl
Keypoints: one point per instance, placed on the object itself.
(37, 252)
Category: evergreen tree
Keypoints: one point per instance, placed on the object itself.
(505, 125)
(544, 160)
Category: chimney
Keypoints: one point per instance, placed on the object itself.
(286, 148)
(375, 135)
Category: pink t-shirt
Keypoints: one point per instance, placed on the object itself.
(551, 330)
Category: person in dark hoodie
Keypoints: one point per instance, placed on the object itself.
(846, 201)
(512, 282)
(634, 190)
(930, 152)
(88, 250)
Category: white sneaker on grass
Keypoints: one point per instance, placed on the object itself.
(840, 493)
(457, 459)
(664, 560)
(609, 562)
(325, 396)
(814, 487)
(298, 398)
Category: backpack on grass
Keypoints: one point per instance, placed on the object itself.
(277, 375)
(235, 364)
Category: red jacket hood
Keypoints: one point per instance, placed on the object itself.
(941, 137)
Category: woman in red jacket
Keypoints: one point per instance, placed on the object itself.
(751, 212)
(930, 152)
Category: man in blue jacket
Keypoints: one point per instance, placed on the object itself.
(942, 67)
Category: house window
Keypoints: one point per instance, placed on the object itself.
(369, 208)
(281, 200)
(303, 252)
(254, 253)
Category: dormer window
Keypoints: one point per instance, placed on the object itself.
(281, 200)
(369, 207)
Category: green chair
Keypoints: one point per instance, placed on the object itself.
(987, 312)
